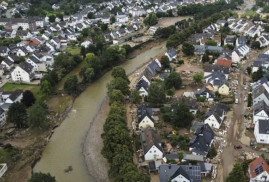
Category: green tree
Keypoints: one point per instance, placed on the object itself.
(151, 19)
(178, 115)
(237, 174)
(119, 84)
(112, 19)
(119, 72)
(90, 15)
(116, 96)
(180, 155)
(28, 98)
(165, 62)
(249, 70)
(70, 85)
(113, 55)
(258, 74)
(17, 114)
(135, 97)
(37, 115)
(41, 177)
(211, 43)
(197, 77)
(128, 48)
(46, 87)
(52, 18)
(249, 100)
(94, 62)
(83, 51)
(88, 74)
(212, 153)
(156, 92)
(188, 48)
(173, 81)
(255, 45)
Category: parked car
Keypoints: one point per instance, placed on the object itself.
(236, 101)
(237, 146)
(251, 143)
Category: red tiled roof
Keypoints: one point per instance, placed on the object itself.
(257, 163)
(224, 62)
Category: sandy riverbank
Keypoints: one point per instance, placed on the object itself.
(93, 144)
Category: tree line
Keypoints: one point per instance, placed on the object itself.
(180, 37)
(118, 149)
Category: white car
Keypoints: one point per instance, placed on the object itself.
(236, 101)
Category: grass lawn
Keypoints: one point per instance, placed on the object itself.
(73, 50)
(34, 88)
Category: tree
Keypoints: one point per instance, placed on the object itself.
(70, 85)
(113, 55)
(37, 115)
(46, 87)
(255, 45)
(28, 98)
(249, 100)
(237, 174)
(135, 97)
(88, 74)
(197, 77)
(119, 84)
(17, 15)
(211, 43)
(17, 114)
(128, 48)
(94, 62)
(116, 96)
(188, 48)
(83, 51)
(258, 74)
(212, 153)
(180, 155)
(156, 92)
(119, 72)
(173, 81)
(112, 19)
(41, 177)
(151, 19)
(178, 115)
(249, 70)
(90, 15)
(165, 62)
(52, 18)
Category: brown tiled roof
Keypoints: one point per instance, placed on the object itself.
(257, 167)
(224, 62)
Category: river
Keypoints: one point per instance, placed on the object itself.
(65, 146)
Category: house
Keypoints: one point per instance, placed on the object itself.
(215, 79)
(142, 87)
(260, 111)
(171, 54)
(86, 43)
(261, 131)
(145, 120)
(151, 144)
(121, 18)
(264, 40)
(4, 51)
(206, 93)
(209, 69)
(206, 168)
(191, 103)
(24, 72)
(202, 140)
(239, 53)
(15, 96)
(261, 93)
(180, 173)
(229, 40)
(201, 49)
(224, 62)
(241, 41)
(224, 88)
(146, 76)
(216, 115)
(2, 117)
(261, 61)
(254, 30)
(258, 170)
(7, 64)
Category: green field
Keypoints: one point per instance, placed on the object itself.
(73, 50)
(34, 88)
